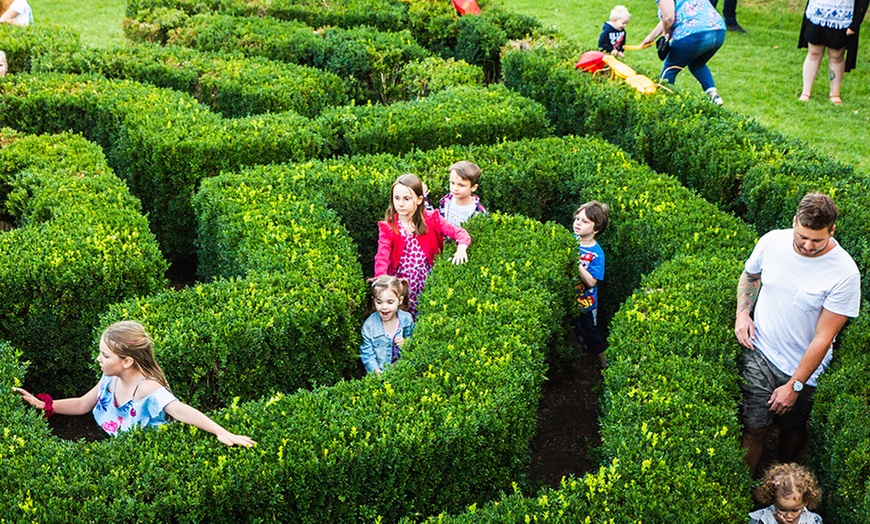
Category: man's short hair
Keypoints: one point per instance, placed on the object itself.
(620, 12)
(817, 211)
(468, 171)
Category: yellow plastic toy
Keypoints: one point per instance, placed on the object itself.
(624, 72)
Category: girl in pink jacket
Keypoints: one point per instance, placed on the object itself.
(409, 238)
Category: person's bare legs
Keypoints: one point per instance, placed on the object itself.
(791, 442)
(753, 443)
(837, 70)
(811, 68)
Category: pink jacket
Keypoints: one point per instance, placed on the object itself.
(391, 244)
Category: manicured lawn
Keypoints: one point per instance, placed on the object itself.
(98, 22)
(758, 73)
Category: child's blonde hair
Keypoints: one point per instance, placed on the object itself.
(597, 213)
(399, 286)
(468, 171)
(129, 339)
(784, 480)
(620, 12)
(413, 183)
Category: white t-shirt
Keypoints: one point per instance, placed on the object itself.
(25, 15)
(794, 289)
(456, 214)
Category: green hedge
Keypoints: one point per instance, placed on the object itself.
(384, 15)
(431, 75)
(760, 173)
(655, 219)
(284, 311)
(390, 445)
(433, 24)
(457, 115)
(841, 438)
(163, 143)
(233, 87)
(24, 44)
(729, 159)
(80, 243)
(368, 60)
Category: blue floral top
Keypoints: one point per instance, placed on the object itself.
(147, 411)
(694, 16)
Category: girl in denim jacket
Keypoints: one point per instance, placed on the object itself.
(388, 327)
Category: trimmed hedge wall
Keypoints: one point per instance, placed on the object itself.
(778, 172)
(284, 311)
(435, 25)
(393, 445)
(233, 87)
(458, 402)
(457, 115)
(368, 60)
(23, 44)
(841, 437)
(662, 453)
(342, 13)
(80, 242)
(163, 143)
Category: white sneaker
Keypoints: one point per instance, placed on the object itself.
(714, 96)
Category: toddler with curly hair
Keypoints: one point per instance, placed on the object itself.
(789, 489)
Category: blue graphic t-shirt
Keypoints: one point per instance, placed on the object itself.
(591, 258)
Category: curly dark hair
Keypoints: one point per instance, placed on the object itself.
(784, 480)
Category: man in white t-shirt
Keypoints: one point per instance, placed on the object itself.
(19, 13)
(803, 287)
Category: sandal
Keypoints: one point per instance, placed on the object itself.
(836, 100)
(804, 97)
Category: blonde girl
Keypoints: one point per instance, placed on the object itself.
(133, 390)
(388, 327)
(789, 490)
(409, 238)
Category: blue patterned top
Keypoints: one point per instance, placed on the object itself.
(592, 258)
(694, 16)
(147, 411)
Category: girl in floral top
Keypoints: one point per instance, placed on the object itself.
(132, 391)
(409, 238)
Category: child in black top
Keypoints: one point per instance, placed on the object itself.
(612, 39)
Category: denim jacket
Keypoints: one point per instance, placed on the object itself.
(377, 348)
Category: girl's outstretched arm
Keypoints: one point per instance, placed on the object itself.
(190, 415)
(65, 406)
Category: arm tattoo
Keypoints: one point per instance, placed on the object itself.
(747, 291)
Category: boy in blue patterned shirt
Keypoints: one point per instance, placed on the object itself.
(590, 219)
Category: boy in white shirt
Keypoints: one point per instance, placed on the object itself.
(461, 203)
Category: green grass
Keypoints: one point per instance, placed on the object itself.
(98, 22)
(758, 74)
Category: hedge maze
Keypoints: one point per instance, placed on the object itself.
(273, 163)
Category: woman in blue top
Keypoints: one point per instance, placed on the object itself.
(696, 31)
(132, 391)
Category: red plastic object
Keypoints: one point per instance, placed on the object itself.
(591, 61)
(467, 7)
